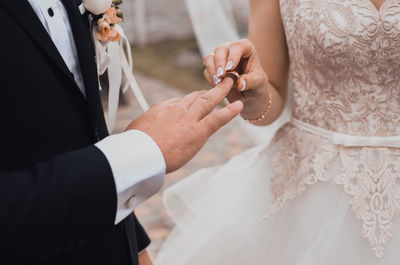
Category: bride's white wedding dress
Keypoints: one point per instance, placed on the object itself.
(326, 190)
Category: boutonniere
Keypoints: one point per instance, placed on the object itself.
(113, 52)
(106, 15)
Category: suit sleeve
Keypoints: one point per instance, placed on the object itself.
(71, 195)
(142, 239)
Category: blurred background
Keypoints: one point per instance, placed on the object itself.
(169, 40)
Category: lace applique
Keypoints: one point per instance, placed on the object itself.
(345, 61)
(372, 178)
(300, 162)
(345, 64)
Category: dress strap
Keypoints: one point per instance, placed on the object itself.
(347, 139)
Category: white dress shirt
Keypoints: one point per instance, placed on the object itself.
(135, 159)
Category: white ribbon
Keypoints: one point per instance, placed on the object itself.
(349, 140)
(82, 9)
(111, 56)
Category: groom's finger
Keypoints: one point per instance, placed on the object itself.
(215, 120)
(205, 103)
(173, 100)
(189, 99)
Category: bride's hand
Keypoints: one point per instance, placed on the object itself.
(144, 258)
(240, 56)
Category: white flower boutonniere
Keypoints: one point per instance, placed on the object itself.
(113, 52)
(106, 15)
(97, 7)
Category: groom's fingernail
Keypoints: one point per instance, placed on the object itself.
(220, 71)
(227, 80)
(229, 65)
(238, 103)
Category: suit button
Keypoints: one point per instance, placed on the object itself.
(83, 243)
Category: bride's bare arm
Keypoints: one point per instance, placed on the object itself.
(262, 62)
(268, 36)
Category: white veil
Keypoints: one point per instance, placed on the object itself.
(214, 24)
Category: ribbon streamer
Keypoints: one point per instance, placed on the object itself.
(116, 57)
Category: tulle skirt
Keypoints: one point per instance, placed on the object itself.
(229, 214)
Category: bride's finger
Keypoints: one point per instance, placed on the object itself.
(239, 50)
(208, 77)
(250, 81)
(221, 54)
(209, 62)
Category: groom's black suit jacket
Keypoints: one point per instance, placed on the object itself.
(57, 192)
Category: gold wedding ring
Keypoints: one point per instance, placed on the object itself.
(232, 74)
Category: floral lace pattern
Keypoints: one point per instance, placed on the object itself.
(299, 162)
(345, 62)
(371, 176)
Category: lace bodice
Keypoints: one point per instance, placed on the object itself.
(345, 60)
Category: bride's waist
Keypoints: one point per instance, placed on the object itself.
(347, 139)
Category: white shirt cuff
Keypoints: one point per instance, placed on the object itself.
(138, 166)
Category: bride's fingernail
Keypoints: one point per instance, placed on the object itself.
(243, 86)
(229, 66)
(216, 80)
(220, 71)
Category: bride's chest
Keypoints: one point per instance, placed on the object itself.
(342, 22)
(349, 37)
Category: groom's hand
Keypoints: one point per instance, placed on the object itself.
(181, 126)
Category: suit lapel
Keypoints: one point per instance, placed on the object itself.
(23, 13)
(26, 17)
(81, 31)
